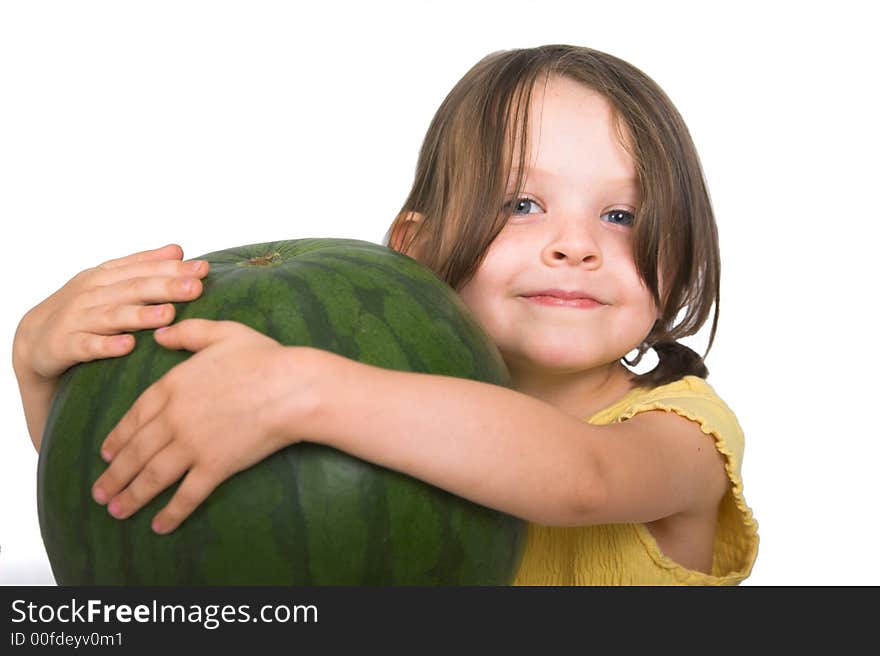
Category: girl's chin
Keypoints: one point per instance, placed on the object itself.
(558, 363)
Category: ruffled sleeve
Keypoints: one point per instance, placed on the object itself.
(736, 535)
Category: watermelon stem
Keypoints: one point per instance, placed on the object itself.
(265, 260)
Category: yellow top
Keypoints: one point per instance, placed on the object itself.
(627, 554)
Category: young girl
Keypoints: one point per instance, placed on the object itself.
(558, 191)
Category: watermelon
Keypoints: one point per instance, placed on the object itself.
(308, 514)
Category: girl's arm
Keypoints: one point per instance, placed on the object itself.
(509, 451)
(243, 396)
(36, 399)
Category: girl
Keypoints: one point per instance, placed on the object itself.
(558, 191)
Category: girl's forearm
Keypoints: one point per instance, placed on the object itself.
(494, 446)
(36, 391)
(36, 399)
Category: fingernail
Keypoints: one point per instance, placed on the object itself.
(195, 266)
(99, 495)
(106, 455)
(156, 526)
(122, 341)
(162, 329)
(114, 508)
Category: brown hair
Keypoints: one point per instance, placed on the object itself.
(471, 140)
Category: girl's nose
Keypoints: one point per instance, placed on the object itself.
(573, 244)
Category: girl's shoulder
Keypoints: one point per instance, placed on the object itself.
(690, 396)
(686, 385)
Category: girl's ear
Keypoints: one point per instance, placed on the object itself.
(403, 230)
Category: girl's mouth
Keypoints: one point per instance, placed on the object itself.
(581, 303)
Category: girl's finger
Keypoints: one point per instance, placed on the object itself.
(197, 334)
(147, 407)
(132, 461)
(86, 346)
(147, 289)
(154, 269)
(114, 319)
(195, 488)
(173, 251)
(163, 470)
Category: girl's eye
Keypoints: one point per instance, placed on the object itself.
(616, 217)
(518, 204)
(620, 217)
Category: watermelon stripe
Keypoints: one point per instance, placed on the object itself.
(291, 529)
(321, 333)
(419, 300)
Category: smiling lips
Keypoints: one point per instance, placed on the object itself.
(562, 298)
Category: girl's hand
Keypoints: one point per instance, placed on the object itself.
(209, 417)
(83, 320)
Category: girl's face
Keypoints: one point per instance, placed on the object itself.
(570, 231)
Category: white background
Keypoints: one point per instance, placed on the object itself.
(129, 125)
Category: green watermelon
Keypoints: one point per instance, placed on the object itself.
(308, 514)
